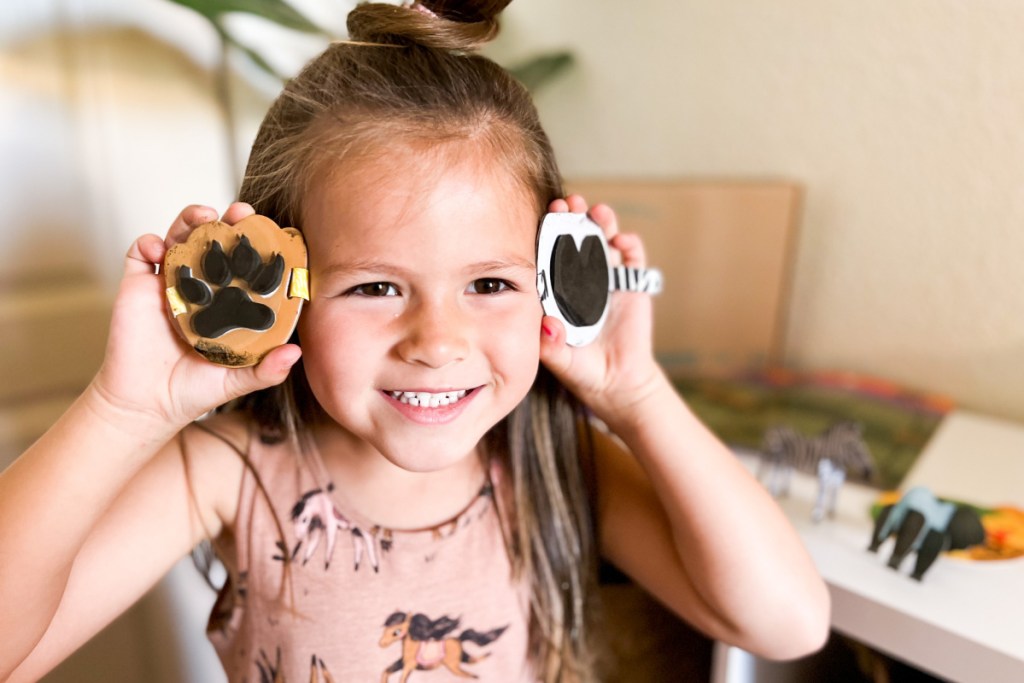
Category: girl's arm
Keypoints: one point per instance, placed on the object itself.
(677, 511)
(681, 515)
(57, 496)
(156, 518)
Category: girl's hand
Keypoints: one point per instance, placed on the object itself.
(150, 379)
(615, 373)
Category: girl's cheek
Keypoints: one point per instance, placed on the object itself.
(519, 335)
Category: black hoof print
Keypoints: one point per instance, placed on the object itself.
(228, 307)
(580, 279)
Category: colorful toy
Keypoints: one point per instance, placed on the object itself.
(235, 291)
(1004, 536)
(926, 525)
(838, 450)
(575, 277)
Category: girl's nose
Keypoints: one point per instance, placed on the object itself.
(435, 336)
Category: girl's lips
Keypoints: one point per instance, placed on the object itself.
(438, 407)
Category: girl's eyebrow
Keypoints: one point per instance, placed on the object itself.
(360, 265)
(502, 264)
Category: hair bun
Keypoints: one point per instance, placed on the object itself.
(457, 25)
(466, 11)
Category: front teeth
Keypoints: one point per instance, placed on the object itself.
(425, 399)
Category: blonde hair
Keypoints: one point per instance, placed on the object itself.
(412, 76)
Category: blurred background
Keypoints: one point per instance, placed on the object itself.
(902, 121)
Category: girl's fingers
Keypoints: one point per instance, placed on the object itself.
(631, 247)
(196, 214)
(574, 203)
(272, 370)
(558, 206)
(237, 212)
(604, 215)
(144, 254)
(577, 204)
(554, 352)
(191, 217)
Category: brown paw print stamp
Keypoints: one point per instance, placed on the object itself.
(235, 291)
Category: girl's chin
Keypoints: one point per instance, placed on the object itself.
(424, 459)
(408, 446)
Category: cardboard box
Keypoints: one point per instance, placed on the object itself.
(726, 251)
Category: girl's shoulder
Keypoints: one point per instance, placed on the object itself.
(230, 430)
(214, 451)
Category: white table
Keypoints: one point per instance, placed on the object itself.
(965, 621)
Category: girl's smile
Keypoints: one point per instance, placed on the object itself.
(428, 399)
(423, 329)
(426, 407)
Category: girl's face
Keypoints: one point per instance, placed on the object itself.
(423, 328)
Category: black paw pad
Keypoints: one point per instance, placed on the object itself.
(231, 307)
(580, 279)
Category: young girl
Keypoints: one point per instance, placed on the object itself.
(420, 492)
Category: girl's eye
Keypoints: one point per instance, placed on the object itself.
(375, 289)
(490, 285)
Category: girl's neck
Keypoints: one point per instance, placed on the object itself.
(390, 496)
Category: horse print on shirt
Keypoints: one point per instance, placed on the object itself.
(427, 644)
(315, 517)
(270, 672)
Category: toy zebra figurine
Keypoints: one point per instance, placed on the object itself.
(830, 455)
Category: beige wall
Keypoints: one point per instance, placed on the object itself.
(106, 132)
(904, 120)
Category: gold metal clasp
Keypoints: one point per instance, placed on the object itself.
(178, 305)
(299, 284)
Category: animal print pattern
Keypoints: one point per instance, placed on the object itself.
(429, 644)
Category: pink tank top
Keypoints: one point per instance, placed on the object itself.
(341, 599)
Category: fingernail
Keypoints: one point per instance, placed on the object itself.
(547, 330)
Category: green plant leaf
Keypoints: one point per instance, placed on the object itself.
(277, 11)
(228, 40)
(256, 57)
(533, 73)
(536, 71)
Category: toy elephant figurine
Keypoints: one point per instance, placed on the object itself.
(923, 523)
